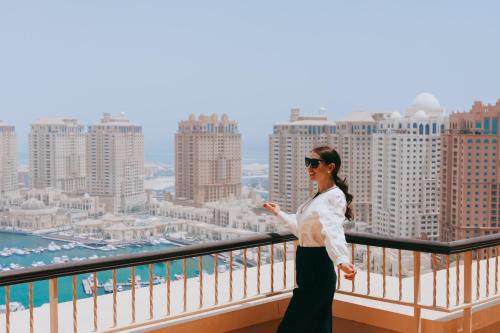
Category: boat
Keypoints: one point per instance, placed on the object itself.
(5, 253)
(13, 307)
(108, 247)
(164, 241)
(178, 276)
(18, 251)
(221, 268)
(53, 247)
(158, 279)
(58, 260)
(95, 256)
(108, 286)
(154, 242)
(38, 263)
(15, 266)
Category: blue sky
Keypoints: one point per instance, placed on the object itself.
(159, 61)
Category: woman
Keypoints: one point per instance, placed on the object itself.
(318, 225)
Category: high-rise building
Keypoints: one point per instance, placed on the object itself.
(406, 161)
(8, 160)
(207, 159)
(470, 185)
(57, 154)
(115, 163)
(291, 141)
(354, 144)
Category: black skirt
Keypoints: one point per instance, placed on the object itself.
(310, 309)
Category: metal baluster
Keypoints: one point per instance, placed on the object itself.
(133, 294)
(447, 281)
(185, 284)
(230, 276)
(458, 278)
(478, 274)
(114, 298)
(245, 273)
(201, 282)
(30, 292)
(383, 273)
(284, 265)
(368, 268)
(168, 287)
(94, 293)
(434, 278)
(272, 267)
(400, 275)
(216, 279)
(150, 267)
(258, 269)
(353, 286)
(7, 309)
(74, 298)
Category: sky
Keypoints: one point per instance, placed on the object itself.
(159, 61)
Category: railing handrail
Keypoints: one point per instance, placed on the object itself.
(209, 248)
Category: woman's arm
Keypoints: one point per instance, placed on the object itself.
(332, 218)
(290, 220)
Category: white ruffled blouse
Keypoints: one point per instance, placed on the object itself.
(319, 222)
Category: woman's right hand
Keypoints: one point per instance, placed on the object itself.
(271, 207)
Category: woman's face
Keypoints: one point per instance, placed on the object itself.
(322, 172)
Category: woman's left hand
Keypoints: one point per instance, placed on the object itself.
(349, 270)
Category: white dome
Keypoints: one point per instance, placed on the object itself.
(395, 115)
(426, 101)
(32, 204)
(420, 114)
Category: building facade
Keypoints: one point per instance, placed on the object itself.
(8, 160)
(406, 160)
(291, 141)
(57, 155)
(470, 185)
(115, 164)
(355, 144)
(207, 159)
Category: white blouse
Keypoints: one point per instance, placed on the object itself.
(319, 222)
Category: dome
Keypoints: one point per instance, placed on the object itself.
(426, 101)
(395, 115)
(32, 204)
(420, 114)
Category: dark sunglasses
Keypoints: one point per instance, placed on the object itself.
(313, 162)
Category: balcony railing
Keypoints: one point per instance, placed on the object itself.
(435, 276)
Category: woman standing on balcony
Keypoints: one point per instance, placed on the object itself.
(318, 225)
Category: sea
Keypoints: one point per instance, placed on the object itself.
(19, 293)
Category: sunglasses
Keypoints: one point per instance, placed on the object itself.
(313, 162)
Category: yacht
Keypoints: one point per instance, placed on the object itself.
(38, 263)
(178, 276)
(15, 266)
(18, 251)
(53, 247)
(154, 242)
(108, 286)
(13, 307)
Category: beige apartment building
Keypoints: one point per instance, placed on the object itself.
(115, 163)
(291, 141)
(57, 154)
(8, 160)
(207, 159)
(355, 139)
